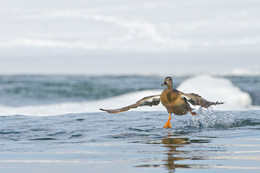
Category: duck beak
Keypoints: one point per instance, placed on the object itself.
(165, 83)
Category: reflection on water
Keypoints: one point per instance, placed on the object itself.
(173, 154)
(183, 148)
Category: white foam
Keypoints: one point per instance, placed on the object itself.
(218, 89)
(82, 107)
(210, 88)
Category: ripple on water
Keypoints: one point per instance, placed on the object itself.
(43, 139)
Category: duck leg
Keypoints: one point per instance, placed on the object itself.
(168, 124)
(192, 113)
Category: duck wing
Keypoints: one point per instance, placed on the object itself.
(153, 100)
(196, 99)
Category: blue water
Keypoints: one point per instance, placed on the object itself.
(134, 141)
(35, 90)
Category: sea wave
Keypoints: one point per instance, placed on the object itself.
(210, 88)
(218, 89)
(80, 107)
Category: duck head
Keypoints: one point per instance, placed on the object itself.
(167, 81)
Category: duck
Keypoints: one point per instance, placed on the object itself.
(175, 102)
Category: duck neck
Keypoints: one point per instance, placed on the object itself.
(169, 87)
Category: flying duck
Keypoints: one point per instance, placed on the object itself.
(174, 101)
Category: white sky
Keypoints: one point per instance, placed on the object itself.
(129, 37)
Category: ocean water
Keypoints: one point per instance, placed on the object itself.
(53, 124)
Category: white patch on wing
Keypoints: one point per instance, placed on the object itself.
(151, 101)
(186, 97)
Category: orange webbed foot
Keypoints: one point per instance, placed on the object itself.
(167, 125)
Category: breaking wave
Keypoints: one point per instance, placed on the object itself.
(211, 88)
(218, 89)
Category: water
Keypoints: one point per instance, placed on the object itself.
(133, 141)
(35, 90)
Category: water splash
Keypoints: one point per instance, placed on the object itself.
(210, 118)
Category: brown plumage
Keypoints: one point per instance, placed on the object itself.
(173, 100)
(146, 101)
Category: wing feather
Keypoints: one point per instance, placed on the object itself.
(196, 99)
(153, 100)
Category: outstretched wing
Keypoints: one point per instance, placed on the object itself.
(153, 100)
(196, 99)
